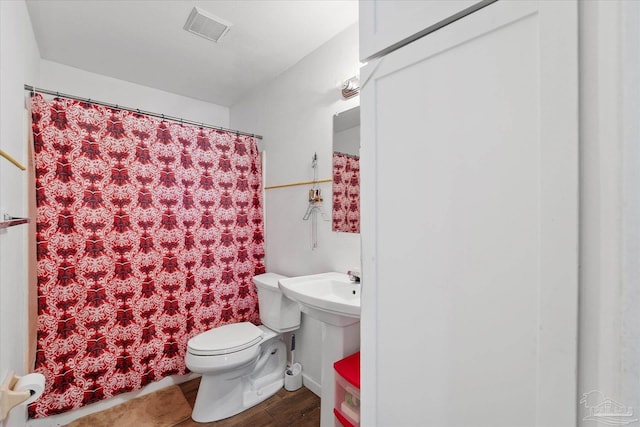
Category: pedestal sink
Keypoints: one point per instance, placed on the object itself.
(334, 300)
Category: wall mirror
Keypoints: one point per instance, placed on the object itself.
(346, 171)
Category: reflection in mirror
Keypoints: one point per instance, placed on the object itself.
(346, 171)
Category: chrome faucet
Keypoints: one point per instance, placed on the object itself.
(354, 276)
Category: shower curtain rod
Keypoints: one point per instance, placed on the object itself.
(136, 110)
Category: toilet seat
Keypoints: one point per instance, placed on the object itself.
(225, 339)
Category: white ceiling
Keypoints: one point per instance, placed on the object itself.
(143, 41)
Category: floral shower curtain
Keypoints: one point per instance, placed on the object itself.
(148, 233)
(346, 193)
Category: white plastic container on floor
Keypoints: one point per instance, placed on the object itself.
(293, 377)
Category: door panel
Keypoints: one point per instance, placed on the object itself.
(469, 160)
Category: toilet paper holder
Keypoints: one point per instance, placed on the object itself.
(10, 398)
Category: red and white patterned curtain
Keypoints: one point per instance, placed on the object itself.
(346, 193)
(148, 233)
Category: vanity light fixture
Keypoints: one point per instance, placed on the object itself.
(351, 87)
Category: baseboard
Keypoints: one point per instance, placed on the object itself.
(312, 385)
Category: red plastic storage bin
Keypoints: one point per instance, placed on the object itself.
(347, 391)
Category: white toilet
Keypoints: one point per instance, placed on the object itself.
(243, 364)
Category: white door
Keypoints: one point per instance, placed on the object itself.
(469, 223)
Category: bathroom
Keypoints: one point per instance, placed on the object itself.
(405, 382)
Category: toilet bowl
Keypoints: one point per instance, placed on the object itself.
(243, 364)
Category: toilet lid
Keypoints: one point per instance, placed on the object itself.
(225, 339)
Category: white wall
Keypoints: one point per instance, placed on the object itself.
(19, 62)
(295, 113)
(73, 81)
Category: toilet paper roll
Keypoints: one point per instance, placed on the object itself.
(33, 383)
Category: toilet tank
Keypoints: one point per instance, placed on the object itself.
(277, 312)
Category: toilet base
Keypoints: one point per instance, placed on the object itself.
(220, 398)
(253, 397)
(232, 403)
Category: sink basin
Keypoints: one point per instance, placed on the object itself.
(327, 292)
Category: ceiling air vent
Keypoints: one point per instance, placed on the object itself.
(206, 25)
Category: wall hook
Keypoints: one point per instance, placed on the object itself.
(315, 204)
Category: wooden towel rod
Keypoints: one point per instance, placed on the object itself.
(297, 183)
(12, 160)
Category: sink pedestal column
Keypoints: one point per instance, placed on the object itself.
(340, 338)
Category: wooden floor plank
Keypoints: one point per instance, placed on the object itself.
(294, 408)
